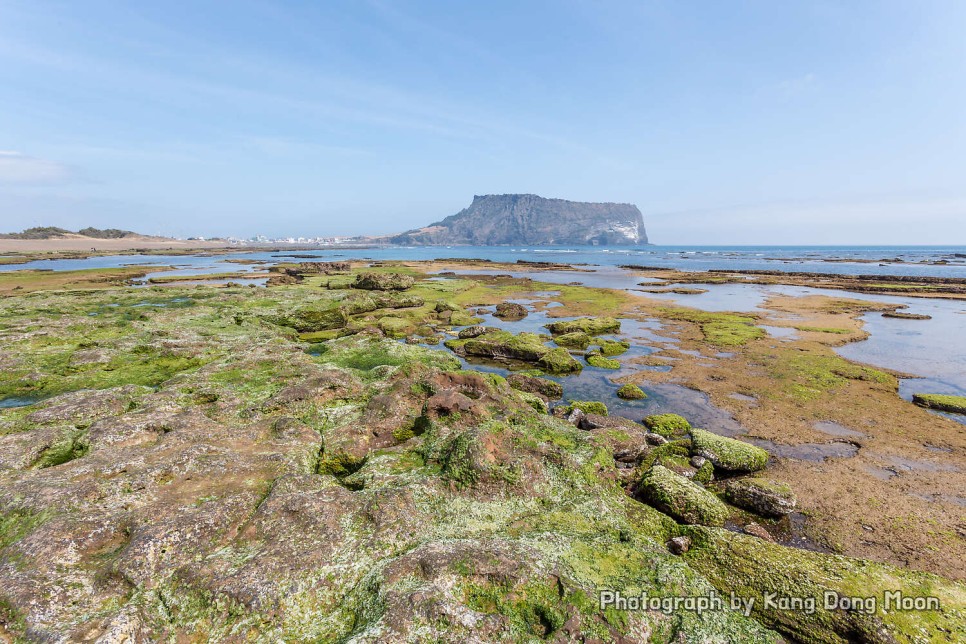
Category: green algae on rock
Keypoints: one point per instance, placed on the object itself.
(601, 362)
(218, 478)
(952, 404)
(631, 391)
(590, 326)
(727, 453)
(611, 347)
(588, 407)
(680, 498)
(559, 361)
(372, 281)
(573, 340)
(667, 425)
(534, 385)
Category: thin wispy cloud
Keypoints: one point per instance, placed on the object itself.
(17, 168)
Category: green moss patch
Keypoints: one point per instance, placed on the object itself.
(668, 425)
(602, 363)
(952, 404)
(680, 498)
(727, 453)
(719, 329)
(631, 392)
(590, 326)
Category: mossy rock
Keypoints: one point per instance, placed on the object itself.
(313, 319)
(497, 343)
(559, 361)
(461, 318)
(394, 327)
(668, 425)
(631, 391)
(727, 453)
(681, 499)
(534, 385)
(588, 407)
(445, 305)
(674, 456)
(612, 347)
(575, 340)
(764, 497)
(590, 326)
(952, 404)
(752, 568)
(383, 281)
(510, 311)
(535, 401)
(340, 464)
(603, 363)
(705, 474)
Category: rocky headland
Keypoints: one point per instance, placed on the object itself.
(494, 220)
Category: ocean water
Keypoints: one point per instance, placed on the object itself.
(872, 260)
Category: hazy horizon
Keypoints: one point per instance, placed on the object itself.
(764, 124)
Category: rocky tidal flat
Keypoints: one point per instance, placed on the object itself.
(376, 452)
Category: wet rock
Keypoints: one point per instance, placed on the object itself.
(575, 340)
(681, 499)
(906, 316)
(756, 530)
(471, 332)
(540, 386)
(383, 281)
(576, 417)
(510, 311)
(762, 496)
(679, 545)
(655, 439)
(727, 453)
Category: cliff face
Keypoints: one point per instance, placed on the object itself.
(494, 220)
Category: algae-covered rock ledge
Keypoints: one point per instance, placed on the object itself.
(316, 461)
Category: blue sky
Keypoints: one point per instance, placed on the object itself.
(725, 122)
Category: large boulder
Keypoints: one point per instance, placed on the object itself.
(510, 311)
(383, 281)
(727, 453)
(764, 497)
(681, 499)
